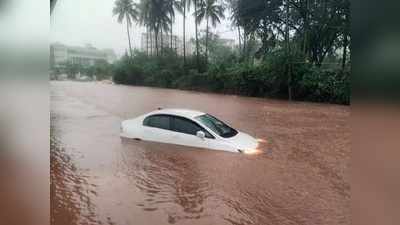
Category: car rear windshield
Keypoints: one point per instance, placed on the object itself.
(217, 126)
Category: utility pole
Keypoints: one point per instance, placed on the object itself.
(288, 60)
(184, 34)
(345, 43)
(306, 28)
(240, 40)
(147, 41)
(197, 37)
(52, 5)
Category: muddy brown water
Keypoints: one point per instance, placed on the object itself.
(301, 176)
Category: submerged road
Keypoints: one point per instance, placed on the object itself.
(301, 177)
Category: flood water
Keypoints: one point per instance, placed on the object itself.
(301, 177)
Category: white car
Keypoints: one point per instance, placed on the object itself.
(188, 128)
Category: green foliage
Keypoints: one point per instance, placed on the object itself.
(101, 69)
(326, 86)
(126, 72)
(267, 78)
(126, 10)
(316, 28)
(218, 51)
(71, 69)
(287, 48)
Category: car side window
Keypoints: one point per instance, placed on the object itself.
(186, 126)
(158, 121)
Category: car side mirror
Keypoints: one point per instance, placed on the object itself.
(201, 134)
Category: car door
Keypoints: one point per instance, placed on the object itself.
(186, 131)
(157, 128)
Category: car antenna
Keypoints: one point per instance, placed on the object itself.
(159, 108)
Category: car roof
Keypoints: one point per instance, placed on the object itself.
(179, 112)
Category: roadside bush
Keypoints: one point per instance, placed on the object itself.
(247, 80)
(163, 78)
(193, 81)
(326, 86)
(267, 78)
(130, 74)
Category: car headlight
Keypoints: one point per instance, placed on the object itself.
(249, 151)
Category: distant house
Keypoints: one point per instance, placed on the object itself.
(84, 56)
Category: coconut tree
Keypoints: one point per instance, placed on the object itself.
(126, 10)
(164, 15)
(173, 5)
(144, 21)
(196, 3)
(235, 19)
(52, 5)
(185, 6)
(211, 11)
(155, 15)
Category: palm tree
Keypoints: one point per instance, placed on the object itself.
(210, 10)
(144, 20)
(185, 5)
(173, 5)
(126, 10)
(155, 15)
(197, 33)
(164, 19)
(52, 5)
(235, 19)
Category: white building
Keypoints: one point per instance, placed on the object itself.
(84, 56)
(148, 43)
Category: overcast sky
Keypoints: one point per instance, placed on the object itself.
(78, 22)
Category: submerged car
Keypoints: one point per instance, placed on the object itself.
(188, 128)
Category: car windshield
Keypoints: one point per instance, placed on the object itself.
(217, 126)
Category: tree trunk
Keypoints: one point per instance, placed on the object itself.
(240, 42)
(197, 37)
(147, 40)
(172, 47)
(306, 28)
(151, 42)
(290, 83)
(184, 35)
(245, 45)
(345, 44)
(344, 58)
(129, 39)
(156, 41)
(162, 42)
(207, 42)
(288, 58)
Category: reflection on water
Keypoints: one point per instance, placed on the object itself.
(70, 190)
(167, 178)
(299, 176)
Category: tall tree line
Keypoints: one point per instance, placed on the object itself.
(314, 28)
(158, 17)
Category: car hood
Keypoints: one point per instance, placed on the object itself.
(243, 141)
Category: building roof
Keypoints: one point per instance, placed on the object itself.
(87, 49)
